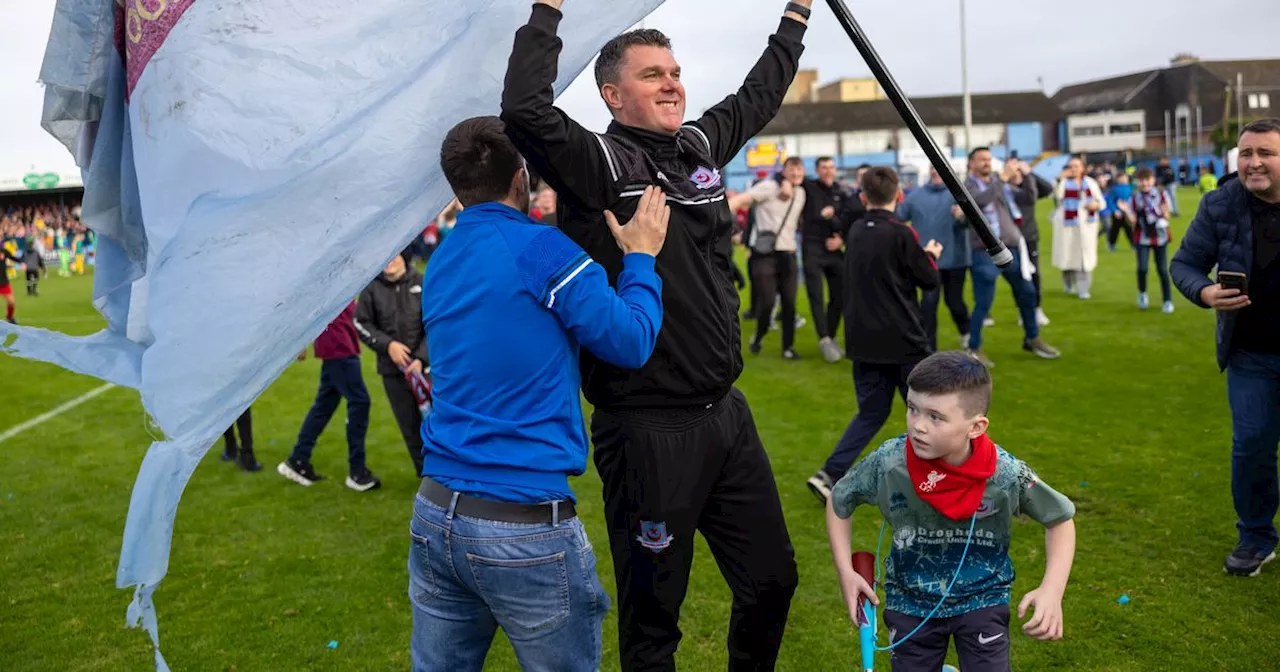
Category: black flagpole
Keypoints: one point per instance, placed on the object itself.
(999, 253)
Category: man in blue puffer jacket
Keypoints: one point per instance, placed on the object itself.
(933, 213)
(1238, 230)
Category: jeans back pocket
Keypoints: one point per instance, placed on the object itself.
(422, 581)
(527, 596)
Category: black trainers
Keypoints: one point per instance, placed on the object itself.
(820, 485)
(1248, 559)
(229, 453)
(755, 346)
(298, 472)
(363, 480)
(247, 461)
(790, 354)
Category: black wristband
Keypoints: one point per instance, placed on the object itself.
(798, 9)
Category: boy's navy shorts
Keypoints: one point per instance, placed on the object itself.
(982, 640)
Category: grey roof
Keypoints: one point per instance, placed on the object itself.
(988, 108)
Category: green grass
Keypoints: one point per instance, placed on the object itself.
(264, 573)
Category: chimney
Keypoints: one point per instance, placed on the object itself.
(1183, 59)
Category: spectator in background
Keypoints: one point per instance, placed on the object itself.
(6, 290)
(934, 214)
(995, 197)
(828, 211)
(1208, 181)
(1028, 188)
(778, 207)
(389, 320)
(241, 452)
(884, 335)
(33, 260)
(1075, 228)
(545, 206)
(1168, 181)
(340, 378)
(1148, 210)
(1118, 215)
(1237, 229)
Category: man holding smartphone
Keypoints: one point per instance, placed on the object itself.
(1237, 229)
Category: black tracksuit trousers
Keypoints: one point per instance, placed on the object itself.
(666, 473)
(405, 408)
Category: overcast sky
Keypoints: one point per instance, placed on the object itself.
(1011, 43)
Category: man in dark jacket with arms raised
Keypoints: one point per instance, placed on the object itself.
(675, 443)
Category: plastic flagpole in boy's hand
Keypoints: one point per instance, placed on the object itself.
(1059, 550)
(859, 596)
(864, 566)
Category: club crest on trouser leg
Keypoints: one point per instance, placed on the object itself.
(653, 536)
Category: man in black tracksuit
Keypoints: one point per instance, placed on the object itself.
(828, 210)
(675, 444)
(389, 320)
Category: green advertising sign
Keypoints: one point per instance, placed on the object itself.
(37, 181)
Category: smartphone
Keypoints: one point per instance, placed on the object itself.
(1233, 280)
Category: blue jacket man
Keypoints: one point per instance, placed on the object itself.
(932, 212)
(1237, 229)
(508, 303)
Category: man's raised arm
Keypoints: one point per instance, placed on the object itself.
(572, 159)
(729, 125)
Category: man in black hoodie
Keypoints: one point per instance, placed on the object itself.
(389, 320)
(675, 444)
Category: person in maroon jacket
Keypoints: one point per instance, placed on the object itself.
(340, 378)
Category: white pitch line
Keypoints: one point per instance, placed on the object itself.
(14, 431)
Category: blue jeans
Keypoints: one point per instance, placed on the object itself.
(1253, 389)
(469, 576)
(339, 379)
(985, 273)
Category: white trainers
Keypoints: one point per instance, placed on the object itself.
(830, 351)
(1168, 307)
(1143, 302)
(1041, 318)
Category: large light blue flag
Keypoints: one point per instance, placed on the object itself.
(249, 166)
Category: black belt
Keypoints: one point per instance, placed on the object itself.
(488, 509)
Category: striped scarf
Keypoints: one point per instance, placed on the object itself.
(1148, 210)
(1074, 195)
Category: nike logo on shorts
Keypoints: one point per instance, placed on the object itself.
(983, 639)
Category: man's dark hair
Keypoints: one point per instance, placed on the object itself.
(1268, 125)
(1144, 173)
(976, 150)
(954, 372)
(479, 160)
(793, 161)
(880, 185)
(609, 63)
(823, 159)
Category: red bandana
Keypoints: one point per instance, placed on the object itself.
(954, 491)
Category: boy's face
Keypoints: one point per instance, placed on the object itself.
(1147, 183)
(940, 428)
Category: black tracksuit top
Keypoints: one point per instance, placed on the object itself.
(699, 352)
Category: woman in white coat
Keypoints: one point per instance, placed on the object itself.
(1075, 227)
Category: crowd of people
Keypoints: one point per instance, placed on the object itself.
(34, 235)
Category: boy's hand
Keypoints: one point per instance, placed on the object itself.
(854, 586)
(934, 248)
(1046, 624)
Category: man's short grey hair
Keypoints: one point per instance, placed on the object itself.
(1268, 125)
(609, 64)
